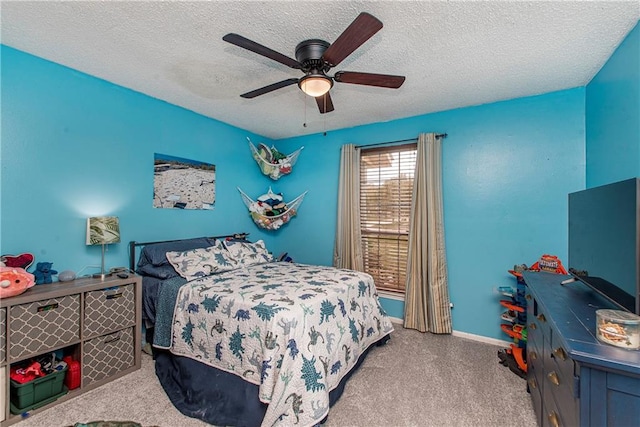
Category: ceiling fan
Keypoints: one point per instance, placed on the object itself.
(316, 57)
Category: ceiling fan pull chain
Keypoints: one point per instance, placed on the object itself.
(324, 116)
(304, 100)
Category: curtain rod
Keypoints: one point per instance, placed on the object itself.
(439, 135)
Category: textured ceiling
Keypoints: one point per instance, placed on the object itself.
(454, 54)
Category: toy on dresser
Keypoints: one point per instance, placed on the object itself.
(14, 281)
(44, 272)
(21, 261)
(618, 328)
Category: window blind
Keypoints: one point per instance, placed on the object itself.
(386, 187)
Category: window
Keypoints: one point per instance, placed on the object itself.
(386, 187)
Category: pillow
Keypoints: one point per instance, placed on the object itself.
(200, 262)
(160, 272)
(154, 254)
(247, 253)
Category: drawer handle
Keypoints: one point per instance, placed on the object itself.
(114, 296)
(553, 419)
(560, 353)
(532, 383)
(533, 355)
(528, 297)
(47, 307)
(553, 377)
(114, 339)
(542, 318)
(532, 326)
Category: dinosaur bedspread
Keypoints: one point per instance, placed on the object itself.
(295, 330)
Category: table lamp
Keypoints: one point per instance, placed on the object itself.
(103, 231)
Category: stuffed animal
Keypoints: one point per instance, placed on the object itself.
(43, 272)
(21, 261)
(14, 281)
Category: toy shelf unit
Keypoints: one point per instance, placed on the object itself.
(515, 357)
(514, 321)
(273, 163)
(60, 340)
(270, 211)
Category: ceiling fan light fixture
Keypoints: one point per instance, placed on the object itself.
(315, 84)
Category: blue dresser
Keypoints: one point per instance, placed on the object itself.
(574, 379)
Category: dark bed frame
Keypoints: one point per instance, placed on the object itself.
(133, 245)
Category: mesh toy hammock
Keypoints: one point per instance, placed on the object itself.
(273, 163)
(271, 217)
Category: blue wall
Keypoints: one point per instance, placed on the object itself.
(613, 116)
(507, 170)
(75, 146)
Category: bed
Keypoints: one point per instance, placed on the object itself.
(240, 339)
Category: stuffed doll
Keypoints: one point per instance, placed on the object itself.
(43, 272)
(14, 281)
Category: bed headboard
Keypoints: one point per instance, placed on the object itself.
(133, 245)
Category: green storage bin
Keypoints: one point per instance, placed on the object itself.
(37, 393)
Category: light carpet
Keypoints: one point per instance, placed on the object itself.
(415, 380)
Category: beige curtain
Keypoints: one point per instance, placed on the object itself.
(426, 305)
(348, 248)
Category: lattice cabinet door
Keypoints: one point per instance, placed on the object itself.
(108, 310)
(107, 355)
(36, 327)
(3, 335)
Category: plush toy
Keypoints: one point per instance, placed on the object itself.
(43, 272)
(14, 281)
(21, 261)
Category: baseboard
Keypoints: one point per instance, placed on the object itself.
(480, 338)
(399, 322)
(396, 320)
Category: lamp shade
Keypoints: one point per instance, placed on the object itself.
(315, 84)
(103, 230)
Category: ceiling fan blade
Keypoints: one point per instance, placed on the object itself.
(269, 88)
(325, 105)
(369, 79)
(245, 43)
(360, 30)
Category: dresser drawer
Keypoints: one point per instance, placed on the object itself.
(539, 324)
(562, 413)
(535, 341)
(107, 355)
(41, 326)
(108, 310)
(533, 386)
(534, 360)
(550, 413)
(3, 334)
(561, 389)
(559, 385)
(562, 363)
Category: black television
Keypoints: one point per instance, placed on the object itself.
(604, 241)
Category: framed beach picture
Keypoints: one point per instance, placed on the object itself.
(183, 184)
